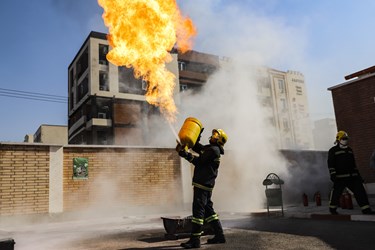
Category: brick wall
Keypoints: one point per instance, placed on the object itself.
(24, 179)
(355, 113)
(122, 178)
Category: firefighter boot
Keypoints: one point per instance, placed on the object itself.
(193, 242)
(368, 211)
(219, 234)
(333, 211)
(195, 238)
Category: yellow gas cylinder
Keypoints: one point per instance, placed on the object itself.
(190, 131)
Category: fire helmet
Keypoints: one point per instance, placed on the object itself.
(223, 138)
(341, 134)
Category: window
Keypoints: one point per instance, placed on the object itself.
(83, 63)
(71, 100)
(283, 104)
(144, 84)
(82, 89)
(183, 87)
(71, 78)
(129, 84)
(102, 138)
(103, 81)
(301, 108)
(285, 124)
(299, 90)
(103, 51)
(281, 85)
(181, 66)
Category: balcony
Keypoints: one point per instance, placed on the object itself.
(193, 77)
(100, 122)
(79, 123)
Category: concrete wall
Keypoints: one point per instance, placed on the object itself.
(308, 174)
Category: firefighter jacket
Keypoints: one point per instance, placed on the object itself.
(341, 163)
(206, 165)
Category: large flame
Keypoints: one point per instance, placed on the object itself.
(141, 34)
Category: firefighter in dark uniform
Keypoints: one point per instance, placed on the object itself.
(344, 174)
(205, 172)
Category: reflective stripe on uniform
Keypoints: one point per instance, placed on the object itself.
(212, 218)
(202, 187)
(340, 152)
(197, 234)
(365, 207)
(346, 175)
(197, 221)
(330, 199)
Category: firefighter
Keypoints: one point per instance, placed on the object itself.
(344, 174)
(205, 172)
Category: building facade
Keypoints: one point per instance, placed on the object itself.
(354, 106)
(284, 95)
(49, 134)
(107, 104)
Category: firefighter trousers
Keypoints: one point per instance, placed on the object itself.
(203, 210)
(355, 185)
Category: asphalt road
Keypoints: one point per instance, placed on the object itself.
(340, 235)
(148, 233)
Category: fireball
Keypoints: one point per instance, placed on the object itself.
(141, 35)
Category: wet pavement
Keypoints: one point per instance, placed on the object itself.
(243, 230)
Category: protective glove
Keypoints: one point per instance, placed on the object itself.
(183, 153)
(333, 178)
(179, 147)
(200, 135)
(361, 179)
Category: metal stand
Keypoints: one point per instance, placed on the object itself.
(274, 195)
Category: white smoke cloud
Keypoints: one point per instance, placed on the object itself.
(239, 31)
(229, 101)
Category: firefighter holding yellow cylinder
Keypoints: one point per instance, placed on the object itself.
(205, 172)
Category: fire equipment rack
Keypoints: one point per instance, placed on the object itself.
(274, 195)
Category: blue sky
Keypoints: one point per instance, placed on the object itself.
(325, 40)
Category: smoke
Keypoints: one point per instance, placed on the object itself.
(229, 101)
(229, 98)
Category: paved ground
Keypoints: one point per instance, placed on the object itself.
(147, 232)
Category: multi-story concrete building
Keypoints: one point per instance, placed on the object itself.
(49, 134)
(107, 104)
(52, 134)
(284, 96)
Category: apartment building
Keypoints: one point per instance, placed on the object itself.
(107, 103)
(284, 96)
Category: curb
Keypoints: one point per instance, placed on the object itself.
(338, 217)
